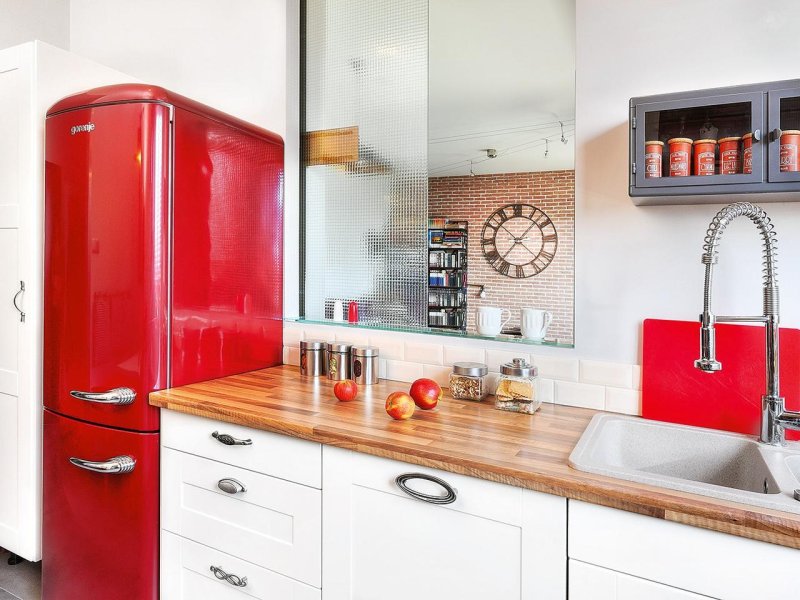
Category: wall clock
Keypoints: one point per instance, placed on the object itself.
(519, 240)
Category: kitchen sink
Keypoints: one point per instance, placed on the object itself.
(713, 463)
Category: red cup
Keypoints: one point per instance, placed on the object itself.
(729, 155)
(790, 141)
(680, 154)
(704, 156)
(653, 153)
(747, 153)
(352, 312)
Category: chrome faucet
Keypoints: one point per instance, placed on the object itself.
(774, 416)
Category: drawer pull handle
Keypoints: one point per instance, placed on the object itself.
(229, 440)
(121, 395)
(229, 577)
(113, 466)
(14, 301)
(448, 498)
(229, 485)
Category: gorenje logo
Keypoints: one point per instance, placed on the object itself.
(78, 128)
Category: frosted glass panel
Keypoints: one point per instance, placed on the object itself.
(365, 143)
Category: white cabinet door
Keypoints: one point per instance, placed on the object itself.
(380, 543)
(587, 582)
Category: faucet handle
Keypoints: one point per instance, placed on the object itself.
(709, 365)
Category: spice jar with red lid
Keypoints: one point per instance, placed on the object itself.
(704, 156)
(790, 140)
(653, 156)
(729, 155)
(680, 153)
(747, 153)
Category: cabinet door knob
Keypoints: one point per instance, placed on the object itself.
(229, 577)
(776, 134)
(756, 135)
(229, 440)
(229, 485)
(448, 498)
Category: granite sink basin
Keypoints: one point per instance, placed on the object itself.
(712, 463)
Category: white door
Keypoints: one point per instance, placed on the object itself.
(588, 582)
(381, 543)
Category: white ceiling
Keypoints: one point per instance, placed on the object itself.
(501, 75)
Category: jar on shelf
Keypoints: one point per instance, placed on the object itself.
(729, 155)
(790, 157)
(747, 153)
(468, 381)
(680, 157)
(653, 157)
(517, 389)
(704, 156)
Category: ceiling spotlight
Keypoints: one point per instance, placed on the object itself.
(563, 139)
(491, 152)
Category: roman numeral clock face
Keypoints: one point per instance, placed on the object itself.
(519, 240)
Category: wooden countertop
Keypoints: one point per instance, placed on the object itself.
(471, 438)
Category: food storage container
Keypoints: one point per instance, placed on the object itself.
(729, 155)
(517, 388)
(653, 156)
(790, 139)
(338, 360)
(704, 156)
(680, 154)
(468, 381)
(747, 153)
(313, 361)
(364, 364)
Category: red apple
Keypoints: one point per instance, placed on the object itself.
(346, 390)
(399, 405)
(426, 393)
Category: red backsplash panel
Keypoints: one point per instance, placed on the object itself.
(674, 391)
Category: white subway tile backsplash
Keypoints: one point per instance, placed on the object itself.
(583, 395)
(398, 370)
(495, 358)
(389, 348)
(563, 369)
(439, 374)
(492, 379)
(619, 400)
(454, 354)
(292, 336)
(605, 373)
(352, 337)
(381, 368)
(636, 379)
(423, 353)
(318, 332)
(291, 356)
(547, 390)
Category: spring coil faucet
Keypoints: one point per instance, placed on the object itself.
(774, 416)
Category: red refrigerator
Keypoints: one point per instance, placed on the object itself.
(163, 266)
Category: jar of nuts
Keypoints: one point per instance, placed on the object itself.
(468, 381)
(517, 387)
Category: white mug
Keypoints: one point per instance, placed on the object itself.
(489, 320)
(534, 323)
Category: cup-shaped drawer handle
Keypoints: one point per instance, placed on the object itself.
(229, 577)
(229, 440)
(448, 498)
(229, 485)
(113, 466)
(120, 395)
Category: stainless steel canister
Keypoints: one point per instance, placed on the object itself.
(338, 360)
(364, 364)
(313, 362)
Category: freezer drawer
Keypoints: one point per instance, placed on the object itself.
(186, 574)
(266, 521)
(100, 534)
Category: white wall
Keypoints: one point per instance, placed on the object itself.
(25, 20)
(633, 263)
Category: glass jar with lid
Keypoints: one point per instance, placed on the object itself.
(468, 381)
(517, 389)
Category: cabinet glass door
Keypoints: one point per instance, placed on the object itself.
(699, 141)
(784, 135)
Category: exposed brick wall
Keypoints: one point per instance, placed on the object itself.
(474, 199)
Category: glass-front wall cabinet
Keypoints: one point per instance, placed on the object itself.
(740, 139)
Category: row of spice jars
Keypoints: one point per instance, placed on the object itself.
(517, 388)
(699, 157)
(339, 361)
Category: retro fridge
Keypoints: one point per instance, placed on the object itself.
(163, 267)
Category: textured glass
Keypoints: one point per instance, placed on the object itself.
(366, 219)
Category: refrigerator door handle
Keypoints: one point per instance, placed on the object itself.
(112, 466)
(121, 395)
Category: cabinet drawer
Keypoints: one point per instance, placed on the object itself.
(186, 575)
(270, 453)
(273, 523)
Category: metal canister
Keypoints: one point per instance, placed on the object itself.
(313, 362)
(364, 364)
(338, 360)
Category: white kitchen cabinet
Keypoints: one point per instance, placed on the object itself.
(33, 76)
(587, 582)
(494, 541)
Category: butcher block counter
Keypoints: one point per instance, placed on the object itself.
(462, 437)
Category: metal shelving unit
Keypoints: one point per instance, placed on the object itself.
(447, 274)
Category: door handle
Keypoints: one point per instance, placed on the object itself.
(776, 134)
(229, 577)
(229, 440)
(113, 466)
(448, 498)
(121, 395)
(229, 485)
(20, 291)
